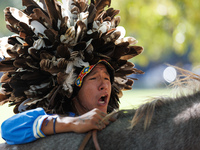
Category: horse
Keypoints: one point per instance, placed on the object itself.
(164, 123)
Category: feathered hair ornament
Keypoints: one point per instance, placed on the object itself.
(53, 42)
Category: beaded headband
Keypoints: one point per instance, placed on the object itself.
(87, 70)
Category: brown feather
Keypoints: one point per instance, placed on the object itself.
(54, 12)
(20, 63)
(120, 50)
(31, 76)
(7, 88)
(39, 15)
(100, 4)
(81, 5)
(6, 65)
(62, 63)
(5, 78)
(29, 2)
(80, 46)
(63, 26)
(52, 98)
(50, 66)
(80, 30)
(63, 51)
(92, 13)
(111, 36)
(12, 53)
(12, 29)
(115, 21)
(40, 55)
(18, 86)
(51, 34)
(61, 77)
(3, 99)
(13, 41)
(46, 55)
(10, 19)
(133, 51)
(25, 29)
(29, 40)
(112, 13)
(34, 53)
(22, 49)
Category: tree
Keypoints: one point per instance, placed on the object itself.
(162, 26)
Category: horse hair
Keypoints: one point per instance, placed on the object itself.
(165, 123)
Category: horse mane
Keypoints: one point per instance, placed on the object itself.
(146, 110)
(186, 84)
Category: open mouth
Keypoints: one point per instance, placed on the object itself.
(103, 99)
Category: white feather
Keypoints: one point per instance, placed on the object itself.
(3, 47)
(21, 70)
(83, 17)
(2, 91)
(67, 5)
(131, 40)
(63, 39)
(122, 30)
(38, 44)
(19, 15)
(59, 23)
(89, 31)
(120, 80)
(69, 81)
(34, 101)
(30, 92)
(104, 27)
(88, 42)
(37, 27)
(70, 36)
(78, 62)
(41, 86)
(20, 40)
(96, 25)
(69, 67)
(39, 3)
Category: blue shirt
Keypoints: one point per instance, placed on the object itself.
(24, 127)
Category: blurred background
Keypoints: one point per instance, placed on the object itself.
(170, 34)
(169, 31)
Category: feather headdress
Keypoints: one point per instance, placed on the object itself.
(53, 40)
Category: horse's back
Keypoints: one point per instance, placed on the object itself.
(58, 141)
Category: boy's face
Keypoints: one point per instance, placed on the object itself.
(96, 89)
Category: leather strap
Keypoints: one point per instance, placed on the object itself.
(92, 133)
(85, 140)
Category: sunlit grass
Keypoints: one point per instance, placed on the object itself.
(136, 97)
(130, 99)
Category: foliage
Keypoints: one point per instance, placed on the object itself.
(162, 26)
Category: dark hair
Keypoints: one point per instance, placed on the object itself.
(63, 105)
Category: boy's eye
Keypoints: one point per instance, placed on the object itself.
(92, 78)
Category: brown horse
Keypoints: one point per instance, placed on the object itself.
(162, 124)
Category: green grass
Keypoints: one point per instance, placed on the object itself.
(130, 99)
(134, 98)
